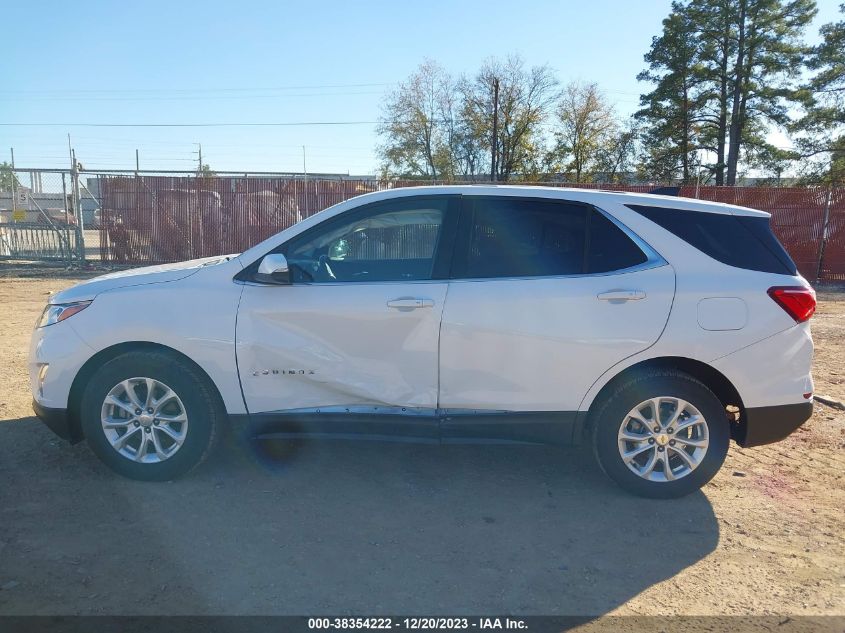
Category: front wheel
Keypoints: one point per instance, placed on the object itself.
(661, 434)
(150, 416)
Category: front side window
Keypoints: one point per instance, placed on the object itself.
(518, 237)
(391, 241)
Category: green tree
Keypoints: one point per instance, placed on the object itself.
(823, 125)
(725, 72)
(769, 58)
(713, 21)
(672, 113)
(8, 179)
(585, 133)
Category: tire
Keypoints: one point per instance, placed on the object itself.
(159, 461)
(702, 431)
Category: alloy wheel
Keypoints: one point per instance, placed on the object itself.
(144, 420)
(663, 439)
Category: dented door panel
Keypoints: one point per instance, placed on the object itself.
(325, 345)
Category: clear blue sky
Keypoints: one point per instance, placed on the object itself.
(242, 62)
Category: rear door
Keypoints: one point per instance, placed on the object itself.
(546, 295)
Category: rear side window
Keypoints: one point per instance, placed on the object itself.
(518, 237)
(739, 241)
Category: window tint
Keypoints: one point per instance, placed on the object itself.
(386, 242)
(740, 241)
(609, 248)
(517, 237)
(512, 237)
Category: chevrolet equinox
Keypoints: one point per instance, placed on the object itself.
(652, 329)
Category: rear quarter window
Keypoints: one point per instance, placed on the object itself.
(609, 248)
(740, 241)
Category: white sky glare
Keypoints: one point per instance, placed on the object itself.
(279, 62)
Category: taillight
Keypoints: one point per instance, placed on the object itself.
(798, 301)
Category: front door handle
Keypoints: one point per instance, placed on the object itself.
(410, 303)
(621, 295)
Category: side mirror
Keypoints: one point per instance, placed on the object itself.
(273, 269)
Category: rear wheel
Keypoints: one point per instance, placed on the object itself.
(661, 434)
(150, 416)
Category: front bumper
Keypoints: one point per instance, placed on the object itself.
(765, 425)
(58, 421)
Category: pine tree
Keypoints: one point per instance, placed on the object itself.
(725, 71)
(671, 112)
(769, 57)
(713, 20)
(823, 125)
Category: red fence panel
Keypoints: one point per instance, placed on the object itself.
(154, 219)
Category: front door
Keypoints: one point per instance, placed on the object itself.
(546, 296)
(352, 342)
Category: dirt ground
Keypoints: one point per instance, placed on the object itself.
(361, 528)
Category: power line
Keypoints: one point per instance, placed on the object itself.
(285, 124)
(189, 90)
(68, 98)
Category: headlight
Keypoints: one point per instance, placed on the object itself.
(54, 313)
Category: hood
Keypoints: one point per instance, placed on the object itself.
(135, 277)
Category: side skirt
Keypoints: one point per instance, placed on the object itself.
(405, 424)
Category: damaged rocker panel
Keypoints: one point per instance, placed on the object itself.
(415, 424)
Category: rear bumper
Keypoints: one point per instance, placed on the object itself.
(765, 425)
(57, 420)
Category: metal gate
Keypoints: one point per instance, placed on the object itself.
(38, 216)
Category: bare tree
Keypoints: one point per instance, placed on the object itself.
(619, 154)
(586, 127)
(419, 127)
(518, 101)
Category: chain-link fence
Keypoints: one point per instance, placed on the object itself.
(145, 218)
(38, 216)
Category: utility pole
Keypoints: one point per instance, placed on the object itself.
(76, 192)
(14, 186)
(137, 162)
(494, 145)
(199, 158)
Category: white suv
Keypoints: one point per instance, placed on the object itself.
(652, 328)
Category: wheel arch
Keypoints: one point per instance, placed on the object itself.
(715, 380)
(87, 370)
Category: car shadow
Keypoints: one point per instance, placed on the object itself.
(335, 527)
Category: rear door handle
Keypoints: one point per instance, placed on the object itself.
(410, 303)
(621, 295)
